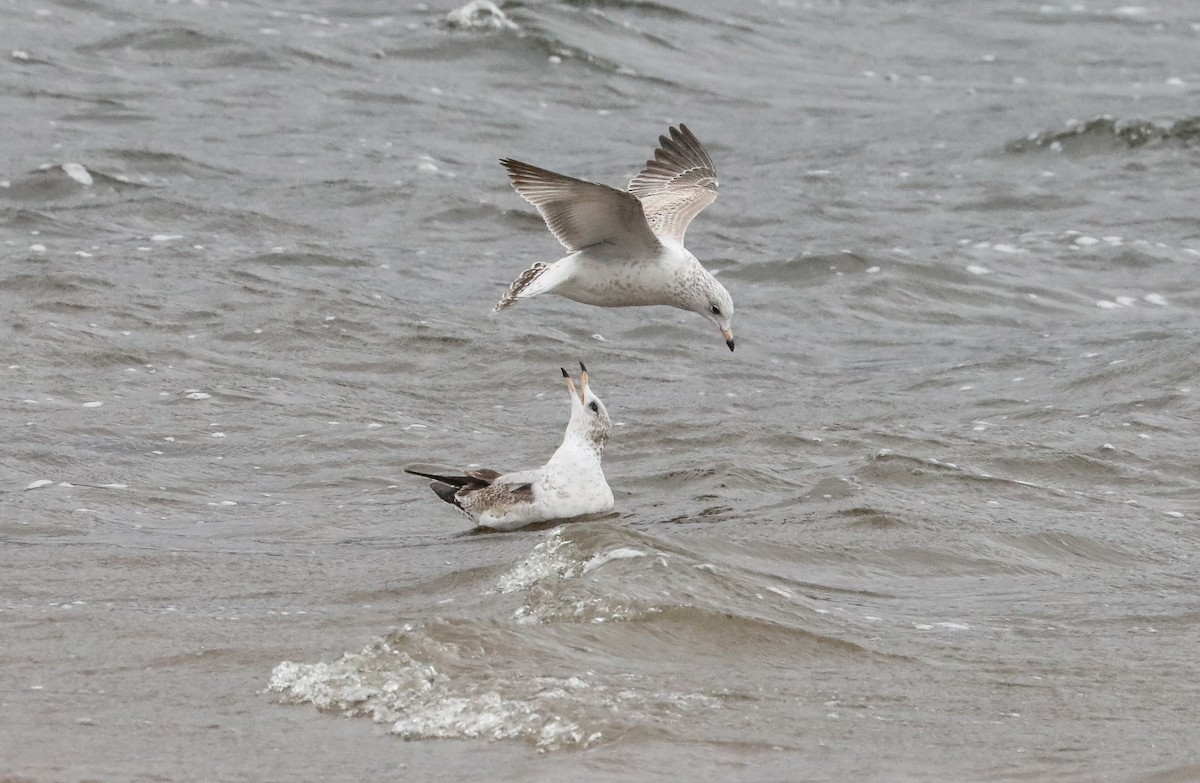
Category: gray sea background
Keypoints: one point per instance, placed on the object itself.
(936, 519)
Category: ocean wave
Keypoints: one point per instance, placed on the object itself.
(1107, 134)
(589, 34)
(591, 603)
(159, 39)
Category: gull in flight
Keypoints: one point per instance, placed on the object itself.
(570, 484)
(625, 247)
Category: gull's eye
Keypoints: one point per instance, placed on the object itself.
(716, 310)
(595, 408)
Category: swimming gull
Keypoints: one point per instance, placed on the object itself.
(570, 484)
(626, 246)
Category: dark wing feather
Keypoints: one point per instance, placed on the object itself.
(471, 489)
(439, 473)
(477, 478)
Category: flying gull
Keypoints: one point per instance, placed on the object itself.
(626, 246)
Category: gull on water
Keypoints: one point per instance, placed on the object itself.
(626, 246)
(570, 484)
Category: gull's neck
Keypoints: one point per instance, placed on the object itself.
(577, 442)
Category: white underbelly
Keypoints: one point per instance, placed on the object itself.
(606, 282)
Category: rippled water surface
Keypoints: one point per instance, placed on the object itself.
(935, 519)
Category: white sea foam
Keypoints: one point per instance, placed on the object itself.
(78, 172)
(544, 575)
(621, 553)
(480, 14)
(555, 557)
(427, 689)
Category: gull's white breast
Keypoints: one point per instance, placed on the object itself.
(573, 482)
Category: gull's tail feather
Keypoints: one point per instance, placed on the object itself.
(517, 289)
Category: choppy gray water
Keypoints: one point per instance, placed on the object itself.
(936, 518)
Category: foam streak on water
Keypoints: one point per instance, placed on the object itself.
(943, 496)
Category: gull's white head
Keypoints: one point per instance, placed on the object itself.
(589, 417)
(710, 299)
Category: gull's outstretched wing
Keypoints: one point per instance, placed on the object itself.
(581, 214)
(677, 184)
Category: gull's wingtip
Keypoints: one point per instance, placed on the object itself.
(681, 132)
(511, 166)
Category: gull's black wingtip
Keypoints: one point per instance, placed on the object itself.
(564, 372)
(581, 367)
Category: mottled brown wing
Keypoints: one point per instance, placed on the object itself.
(494, 498)
(675, 186)
(581, 214)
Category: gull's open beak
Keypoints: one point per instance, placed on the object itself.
(583, 381)
(728, 335)
(570, 383)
